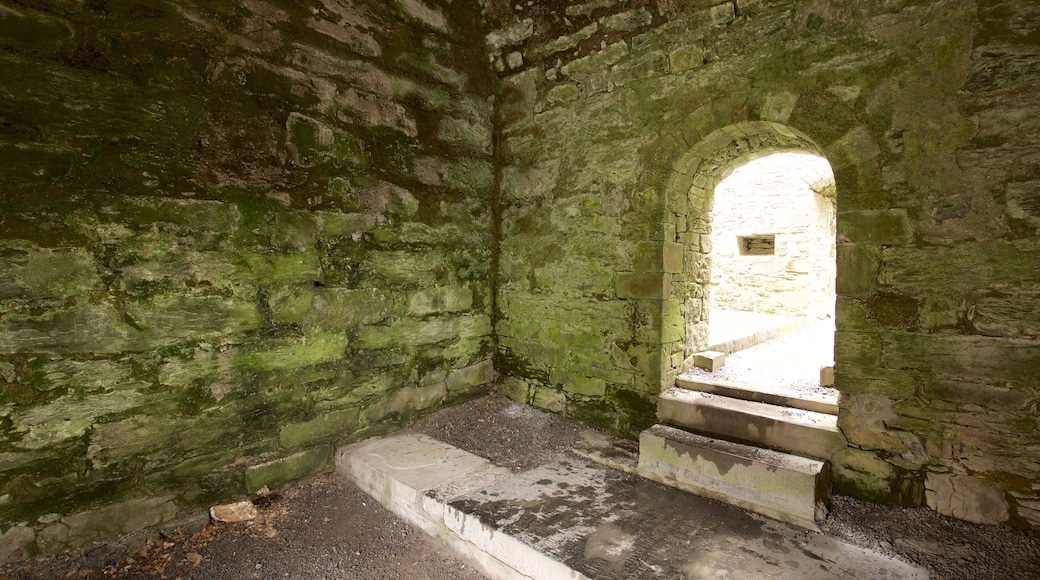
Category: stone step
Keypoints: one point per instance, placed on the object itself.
(818, 402)
(785, 429)
(785, 487)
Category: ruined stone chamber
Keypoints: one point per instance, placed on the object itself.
(237, 234)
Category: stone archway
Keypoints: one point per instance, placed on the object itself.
(689, 198)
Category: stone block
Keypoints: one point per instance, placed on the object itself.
(307, 139)
(471, 376)
(111, 520)
(37, 273)
(415, 333)
(402, 267)
(511, 34)
(344, 421)
(328, 308)
(626, 21)
(419, 10)
(967, 498)
(858, 267)
(337, 224)
(965, 266)
(441, 299)
(173, 319)
(888, 227)
(467, 134)
(85, 328)
(14, 543)
(288, 354)
(642, 286)
(549, 399)
(513, 389)
(585, 386)
(685, 58)
(862, 474)
(1023, 201)
(786, 487)
(709, 360)
(853, 148)
(405, 401)
(673, 321)
(827, 376)
(287, 468)
(282, 268)
(69, 417)
(562, 43)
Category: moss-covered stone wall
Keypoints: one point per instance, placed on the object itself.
(618, 117)
(232, 235)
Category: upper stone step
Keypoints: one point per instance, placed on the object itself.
(782, 486)
(785, 429)
(819, 402)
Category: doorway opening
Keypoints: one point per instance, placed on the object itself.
(771, 293)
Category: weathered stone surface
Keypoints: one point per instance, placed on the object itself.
(967, 498)
(188, 245)
(286, 468)
(413, 333)
(862, 474)
(471, 376)
(327, 424)
(437, 300)
(882, 227)
(36, 273)
(14, 543)
(80, 528)
(242, 511)
(642, 286)
(69, 417)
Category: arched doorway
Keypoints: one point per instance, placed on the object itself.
(690, 199)
(771, 290)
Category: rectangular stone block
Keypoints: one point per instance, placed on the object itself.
(471, 376)
(709, 360)
(642, 286)
(296, 434)
(786, 487)
(827, 376)
(889, 227)
(287, 468)
(858, 268)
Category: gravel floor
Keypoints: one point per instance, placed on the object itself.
(328, 528)
(325, 528)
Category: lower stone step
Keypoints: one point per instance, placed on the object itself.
(786, 429)
(785, 487)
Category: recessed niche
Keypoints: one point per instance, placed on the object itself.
(757, 245)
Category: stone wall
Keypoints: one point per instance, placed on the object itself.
(233, 234)
(618, 117)
(789, 198)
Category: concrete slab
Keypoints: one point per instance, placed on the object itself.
(790, 430)
(575, 519)
(786, 487)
